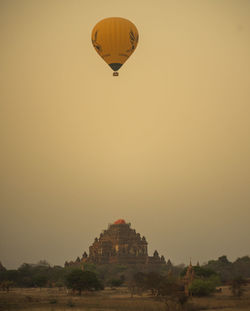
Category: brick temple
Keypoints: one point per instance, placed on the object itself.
(119, 244)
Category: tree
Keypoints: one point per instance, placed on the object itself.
(223, 259)
(223, 267)
(79, 280)
(237, 286)
(116, 282)
(199, 271)
(153, 282)
(241, 266)
(200, 287)
(137, 284)
(172, 291)
(40, 280)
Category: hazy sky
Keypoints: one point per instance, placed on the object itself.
(165, 145)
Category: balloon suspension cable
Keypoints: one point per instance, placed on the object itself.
(115, 74)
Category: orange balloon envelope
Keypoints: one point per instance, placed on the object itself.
(115, 39)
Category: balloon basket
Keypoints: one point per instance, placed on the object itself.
(115, 74)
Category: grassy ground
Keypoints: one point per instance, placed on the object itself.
(111, 300)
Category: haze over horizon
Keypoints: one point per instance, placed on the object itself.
(165, 145)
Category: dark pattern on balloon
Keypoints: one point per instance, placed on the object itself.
(96, 45)
(106, 55)
(133, 41)
(122, 54)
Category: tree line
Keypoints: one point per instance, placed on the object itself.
(163, 281)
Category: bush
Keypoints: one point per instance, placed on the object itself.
(202, 287)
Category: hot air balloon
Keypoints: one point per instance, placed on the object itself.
(115, 39)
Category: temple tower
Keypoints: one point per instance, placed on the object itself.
(119, 244)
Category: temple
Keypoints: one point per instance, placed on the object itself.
(188, 279)
(119, 244)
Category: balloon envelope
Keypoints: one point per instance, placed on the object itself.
(115, 39)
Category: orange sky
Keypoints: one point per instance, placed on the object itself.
(164, 146)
